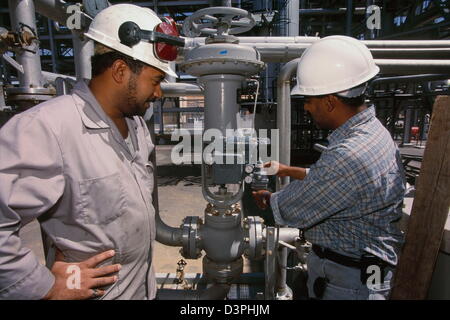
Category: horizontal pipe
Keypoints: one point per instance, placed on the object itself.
(407, 79)
(274, 53)
(287, 245)
(405, 67)
(412, 78)
(408, 53)
(51, 77)
(288, 235)
(369, 43)
(321, 11)
(53, 9)
(283, 53)
(407, 43)
(284, 49)
(178, 110)
(215, 292)
(180, 89)
(278, 53)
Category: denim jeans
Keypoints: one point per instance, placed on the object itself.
(344, 283)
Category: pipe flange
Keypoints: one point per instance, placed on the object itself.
(191, 238)
(253, 226)
(31, 98)
(203, 67)
(30, 91)
(222, 272)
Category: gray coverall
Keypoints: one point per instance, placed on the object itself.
(65, 163)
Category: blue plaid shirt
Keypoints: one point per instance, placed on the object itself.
(352, 196)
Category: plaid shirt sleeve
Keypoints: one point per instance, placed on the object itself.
(323, 193)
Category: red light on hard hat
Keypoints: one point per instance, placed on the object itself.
(163, 50)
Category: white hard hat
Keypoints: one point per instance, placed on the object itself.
(105, 30)
(335, 65)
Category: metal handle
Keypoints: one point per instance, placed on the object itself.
(219, 20)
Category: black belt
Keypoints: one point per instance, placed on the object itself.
(325, 253)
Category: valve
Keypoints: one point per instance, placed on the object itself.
(218, 21)
(180, 275)
(20, 40)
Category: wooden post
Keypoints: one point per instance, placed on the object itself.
(429, 212)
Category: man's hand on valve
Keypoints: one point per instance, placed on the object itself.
(262, 198)
(90, 277)
(276, 168)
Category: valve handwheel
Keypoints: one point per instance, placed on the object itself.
(218, 20)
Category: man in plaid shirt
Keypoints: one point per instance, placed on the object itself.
(351, 198)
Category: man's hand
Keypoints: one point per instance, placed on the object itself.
(282, 170)
(276, 168)
(90, 277)
(262, 198)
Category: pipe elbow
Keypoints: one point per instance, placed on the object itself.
(168, 235)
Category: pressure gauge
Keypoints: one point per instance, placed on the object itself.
(249, 168)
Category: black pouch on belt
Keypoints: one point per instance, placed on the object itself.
(319, 286)
(371, 264)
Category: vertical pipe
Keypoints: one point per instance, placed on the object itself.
(83, 49)
(424, 129)
(177, 105)
(284, 125)
(349, 16)
(294, 17)
(165, 234)
(22, 11)
(370, 34)
(161, 116)
(2, 97)
(282, 290)
(155, 6)
(284, 113)
(221, 105)
(421, 115)
(168, 78)
(52, 45)
(407, 125)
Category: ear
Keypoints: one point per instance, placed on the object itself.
(331, 102)
(120, 71)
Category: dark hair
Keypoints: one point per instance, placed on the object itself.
(101, 62)
(353, 102)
